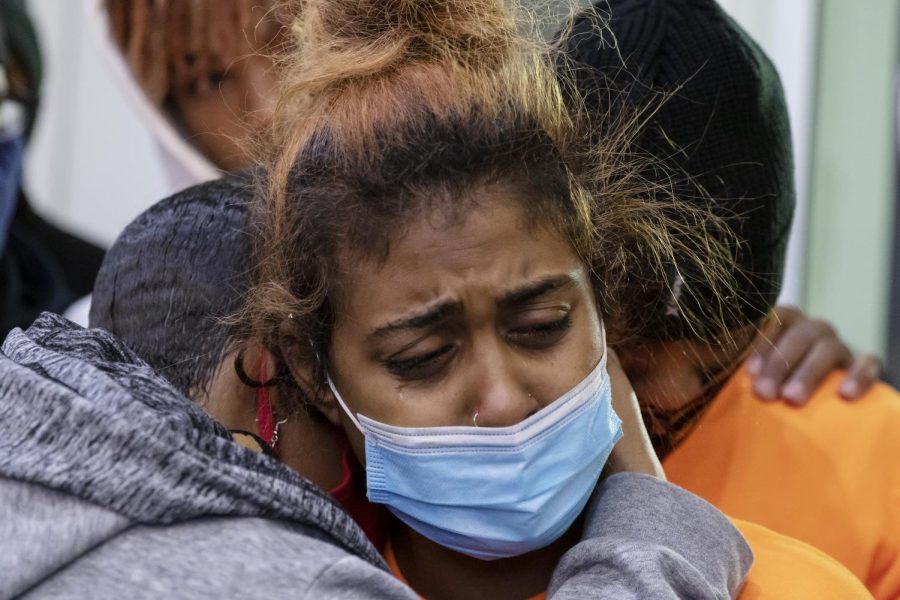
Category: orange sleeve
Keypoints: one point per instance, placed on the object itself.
(884, 578)
(787, 568)
(826, 473)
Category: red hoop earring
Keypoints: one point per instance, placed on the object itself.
(265, 417)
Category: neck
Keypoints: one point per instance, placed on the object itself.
(306, 443)
(438, 573)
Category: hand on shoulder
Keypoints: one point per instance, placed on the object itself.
(795, 353)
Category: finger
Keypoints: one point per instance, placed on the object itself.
(824, 357)
(864, 372)
(156, 82)
(197, 47)
(118, 19)
(137, 26)
(787, 355)
(781, 319)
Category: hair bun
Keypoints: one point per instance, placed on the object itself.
(351, 39)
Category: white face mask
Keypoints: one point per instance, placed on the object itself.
(495, 492)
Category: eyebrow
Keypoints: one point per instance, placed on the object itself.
(532, 291)
(444, 310)
(429, 317)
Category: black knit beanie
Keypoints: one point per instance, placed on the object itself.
(173, 274)
(723, 133)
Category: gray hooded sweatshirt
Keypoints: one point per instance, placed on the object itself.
(113, 484)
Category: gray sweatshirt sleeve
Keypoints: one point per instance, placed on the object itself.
(645, 538)
(219, 558)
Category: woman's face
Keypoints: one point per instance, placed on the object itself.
(220, 110)
(486, 316)
(233, 97)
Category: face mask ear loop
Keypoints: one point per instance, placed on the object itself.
(331, 385)
(605, 346)
(344, 406)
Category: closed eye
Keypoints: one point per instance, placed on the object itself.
(543, 333)
(420, 366)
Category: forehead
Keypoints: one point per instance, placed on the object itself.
(492, 247)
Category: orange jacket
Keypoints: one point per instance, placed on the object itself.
(827, 474)
(785, 568)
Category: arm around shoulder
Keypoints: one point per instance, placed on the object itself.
(645, 538)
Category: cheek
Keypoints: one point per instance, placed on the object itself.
(216, 129)
(356, 438)
(549, 376)
(259, 93)
(218, 113)
(369, 389)
(363, 391)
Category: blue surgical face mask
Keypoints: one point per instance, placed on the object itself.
(495, 492)
(12, 148)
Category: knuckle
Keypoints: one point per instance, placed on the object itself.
(789, 312)
(824, 328)
(873, 365)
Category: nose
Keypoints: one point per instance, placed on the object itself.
(502, 397)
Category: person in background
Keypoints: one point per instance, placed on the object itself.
(13, 116)
(200, 74)
(42, 267)
(825, 473)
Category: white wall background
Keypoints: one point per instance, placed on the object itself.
(93, 166)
